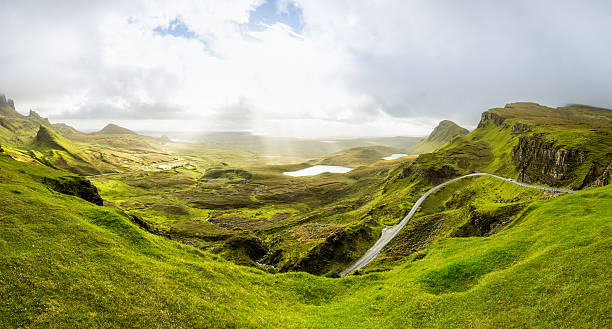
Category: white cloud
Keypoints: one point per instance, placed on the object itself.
(357, 67)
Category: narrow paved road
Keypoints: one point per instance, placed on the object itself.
(389, 232)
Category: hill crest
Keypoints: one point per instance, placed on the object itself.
(113, 129)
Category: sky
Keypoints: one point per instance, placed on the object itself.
(300, 68)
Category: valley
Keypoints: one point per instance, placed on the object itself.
(482, 223)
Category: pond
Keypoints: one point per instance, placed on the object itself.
(395, 156)
(315, 170)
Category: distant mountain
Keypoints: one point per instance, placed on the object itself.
(442, 134)
(297, 147)
(7, 107)
(113, 129)
(355, 157)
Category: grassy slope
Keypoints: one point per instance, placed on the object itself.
(442, 134)
(64, 262)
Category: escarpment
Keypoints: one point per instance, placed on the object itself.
(541, 161)
(489, 116)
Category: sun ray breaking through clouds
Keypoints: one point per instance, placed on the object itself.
(300, 68)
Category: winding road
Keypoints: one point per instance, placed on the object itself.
(389, 232)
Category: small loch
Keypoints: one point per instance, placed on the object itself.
(318, 169)
(395, 156)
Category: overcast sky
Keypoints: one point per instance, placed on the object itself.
(300, 68)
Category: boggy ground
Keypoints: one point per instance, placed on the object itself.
(218, 197)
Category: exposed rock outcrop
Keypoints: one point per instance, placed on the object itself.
(6, 101)
(76, 186)
(520, 128)
(489, 116)
(482, 223)
(35, 117)
(540, 161)
(438, 175)
(338, 248)
(601, 177)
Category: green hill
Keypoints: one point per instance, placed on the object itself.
(65, 262)
(113, 129)
(442, 134)
(54, 150)
(355, 157)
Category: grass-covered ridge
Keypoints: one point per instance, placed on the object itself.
(66, 262)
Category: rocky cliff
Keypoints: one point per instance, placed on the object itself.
(6, 101)
(490, 117)
(540, 161)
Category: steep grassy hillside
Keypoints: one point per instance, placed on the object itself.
(54, 150)
(574, 152)
(442, 134)
(65, 262)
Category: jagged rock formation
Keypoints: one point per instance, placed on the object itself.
(6, 101)
(540, 161)
(489, 116)
(35, 117)
(600, 179)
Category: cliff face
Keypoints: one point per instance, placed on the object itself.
(540, 161)
(489, 116)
